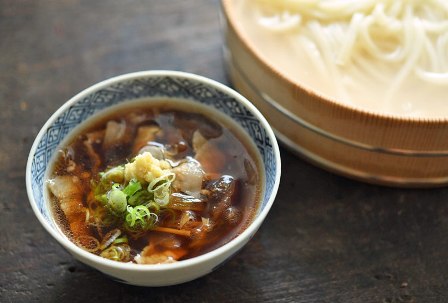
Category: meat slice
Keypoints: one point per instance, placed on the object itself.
(68, 192)
(145, 134)
(161, 249)
(189, 177)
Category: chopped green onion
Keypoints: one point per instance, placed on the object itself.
(116, 186)
(101, 198)
(167, 178)
(131, 207)
(161, 193)
(120, 240)
(153, 206)
(115, 174)
(140, 197)
(140, 218)
(109, 238)
(133, 187)
(120, 252)
(160, 188)
(117, 201)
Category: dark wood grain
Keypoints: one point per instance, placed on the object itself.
(327, 238)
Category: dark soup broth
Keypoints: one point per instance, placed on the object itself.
(155, 182)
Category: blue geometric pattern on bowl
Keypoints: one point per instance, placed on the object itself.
(163, 86)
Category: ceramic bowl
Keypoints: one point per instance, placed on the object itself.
(152, 85)
(372, 147)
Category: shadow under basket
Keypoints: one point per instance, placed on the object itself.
(370, 147)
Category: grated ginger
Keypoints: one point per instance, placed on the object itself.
(146, 168)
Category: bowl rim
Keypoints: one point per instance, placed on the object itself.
(229, 11)
(230, 246)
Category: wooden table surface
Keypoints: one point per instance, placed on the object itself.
(326, 239)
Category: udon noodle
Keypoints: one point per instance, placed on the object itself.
(385, 56)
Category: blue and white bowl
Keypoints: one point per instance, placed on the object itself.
(152, 85)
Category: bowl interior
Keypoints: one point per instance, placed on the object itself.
(148, 85)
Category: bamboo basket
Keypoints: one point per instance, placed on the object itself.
(380, 149)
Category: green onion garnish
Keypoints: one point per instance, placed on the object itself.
(117, 201)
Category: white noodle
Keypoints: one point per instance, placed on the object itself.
(436, 78)
(366, 67)
(414, 31)
(349, 44)
(323, 45)
(282, 22)
(442, 51)
(393, 42)
(313, 54)
(430, 55)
